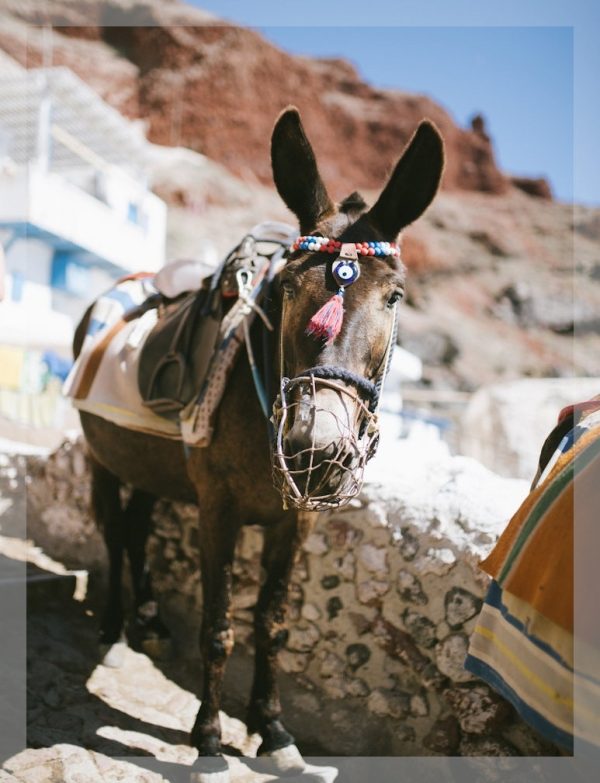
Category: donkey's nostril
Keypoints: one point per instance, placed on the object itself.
(303, 456)
(317, 467)
(295, 445)
(300, 442)
(348, 458)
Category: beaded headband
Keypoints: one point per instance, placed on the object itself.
(326, 245)
(326, 323)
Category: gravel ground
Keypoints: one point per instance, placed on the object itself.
(87, 722)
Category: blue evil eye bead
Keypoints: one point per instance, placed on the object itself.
(345, 272)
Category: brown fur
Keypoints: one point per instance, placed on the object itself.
(231, 479)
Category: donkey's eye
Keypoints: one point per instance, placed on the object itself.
(395, 297)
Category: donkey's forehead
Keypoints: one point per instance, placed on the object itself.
(350, 222)
(354, 226)
(312, 267)
(335, 225)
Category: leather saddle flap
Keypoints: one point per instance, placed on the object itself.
(172, 365)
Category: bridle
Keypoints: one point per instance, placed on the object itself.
(304, 478)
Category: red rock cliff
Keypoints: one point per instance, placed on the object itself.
(204, 84)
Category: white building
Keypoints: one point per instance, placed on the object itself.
(76, 213)
(75, 209)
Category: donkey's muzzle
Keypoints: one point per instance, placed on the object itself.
(321, 448)
(320, 468)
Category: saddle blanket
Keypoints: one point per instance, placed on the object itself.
(103, 380)
(526, 644)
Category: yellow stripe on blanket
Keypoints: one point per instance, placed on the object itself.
(532, 670)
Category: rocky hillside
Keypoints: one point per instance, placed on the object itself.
(501, 277)
(499, 286)
(215, 88)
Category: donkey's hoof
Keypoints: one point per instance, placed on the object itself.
(210, 769)
(158, 649)
(113, 655)
(286, 761)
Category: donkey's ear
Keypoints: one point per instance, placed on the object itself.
(295, 171)
(413, 184)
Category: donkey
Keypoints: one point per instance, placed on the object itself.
(231, 480)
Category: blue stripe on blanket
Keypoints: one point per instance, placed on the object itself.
(494, 598)
(547, 729)
(95, 326)
(567, 442)
(124, 299)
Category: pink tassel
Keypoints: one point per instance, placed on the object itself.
(327, 322)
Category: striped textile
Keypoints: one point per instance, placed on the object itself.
(524, 643)
(103, 380)
(523, 666)
(537, 544)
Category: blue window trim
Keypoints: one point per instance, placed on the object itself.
(64, 262)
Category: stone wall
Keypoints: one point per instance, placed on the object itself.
(505, 424)
(384, 596)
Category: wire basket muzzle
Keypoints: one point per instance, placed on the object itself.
(310, 472)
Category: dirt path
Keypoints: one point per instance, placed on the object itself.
(87, 722)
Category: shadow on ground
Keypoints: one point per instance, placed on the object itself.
(142, 711)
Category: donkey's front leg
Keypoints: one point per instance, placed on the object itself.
(218, 533)
(282, 542)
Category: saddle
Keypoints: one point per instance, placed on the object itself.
(170, 367)
(192, 327)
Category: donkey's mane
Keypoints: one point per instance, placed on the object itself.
(352, 203)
